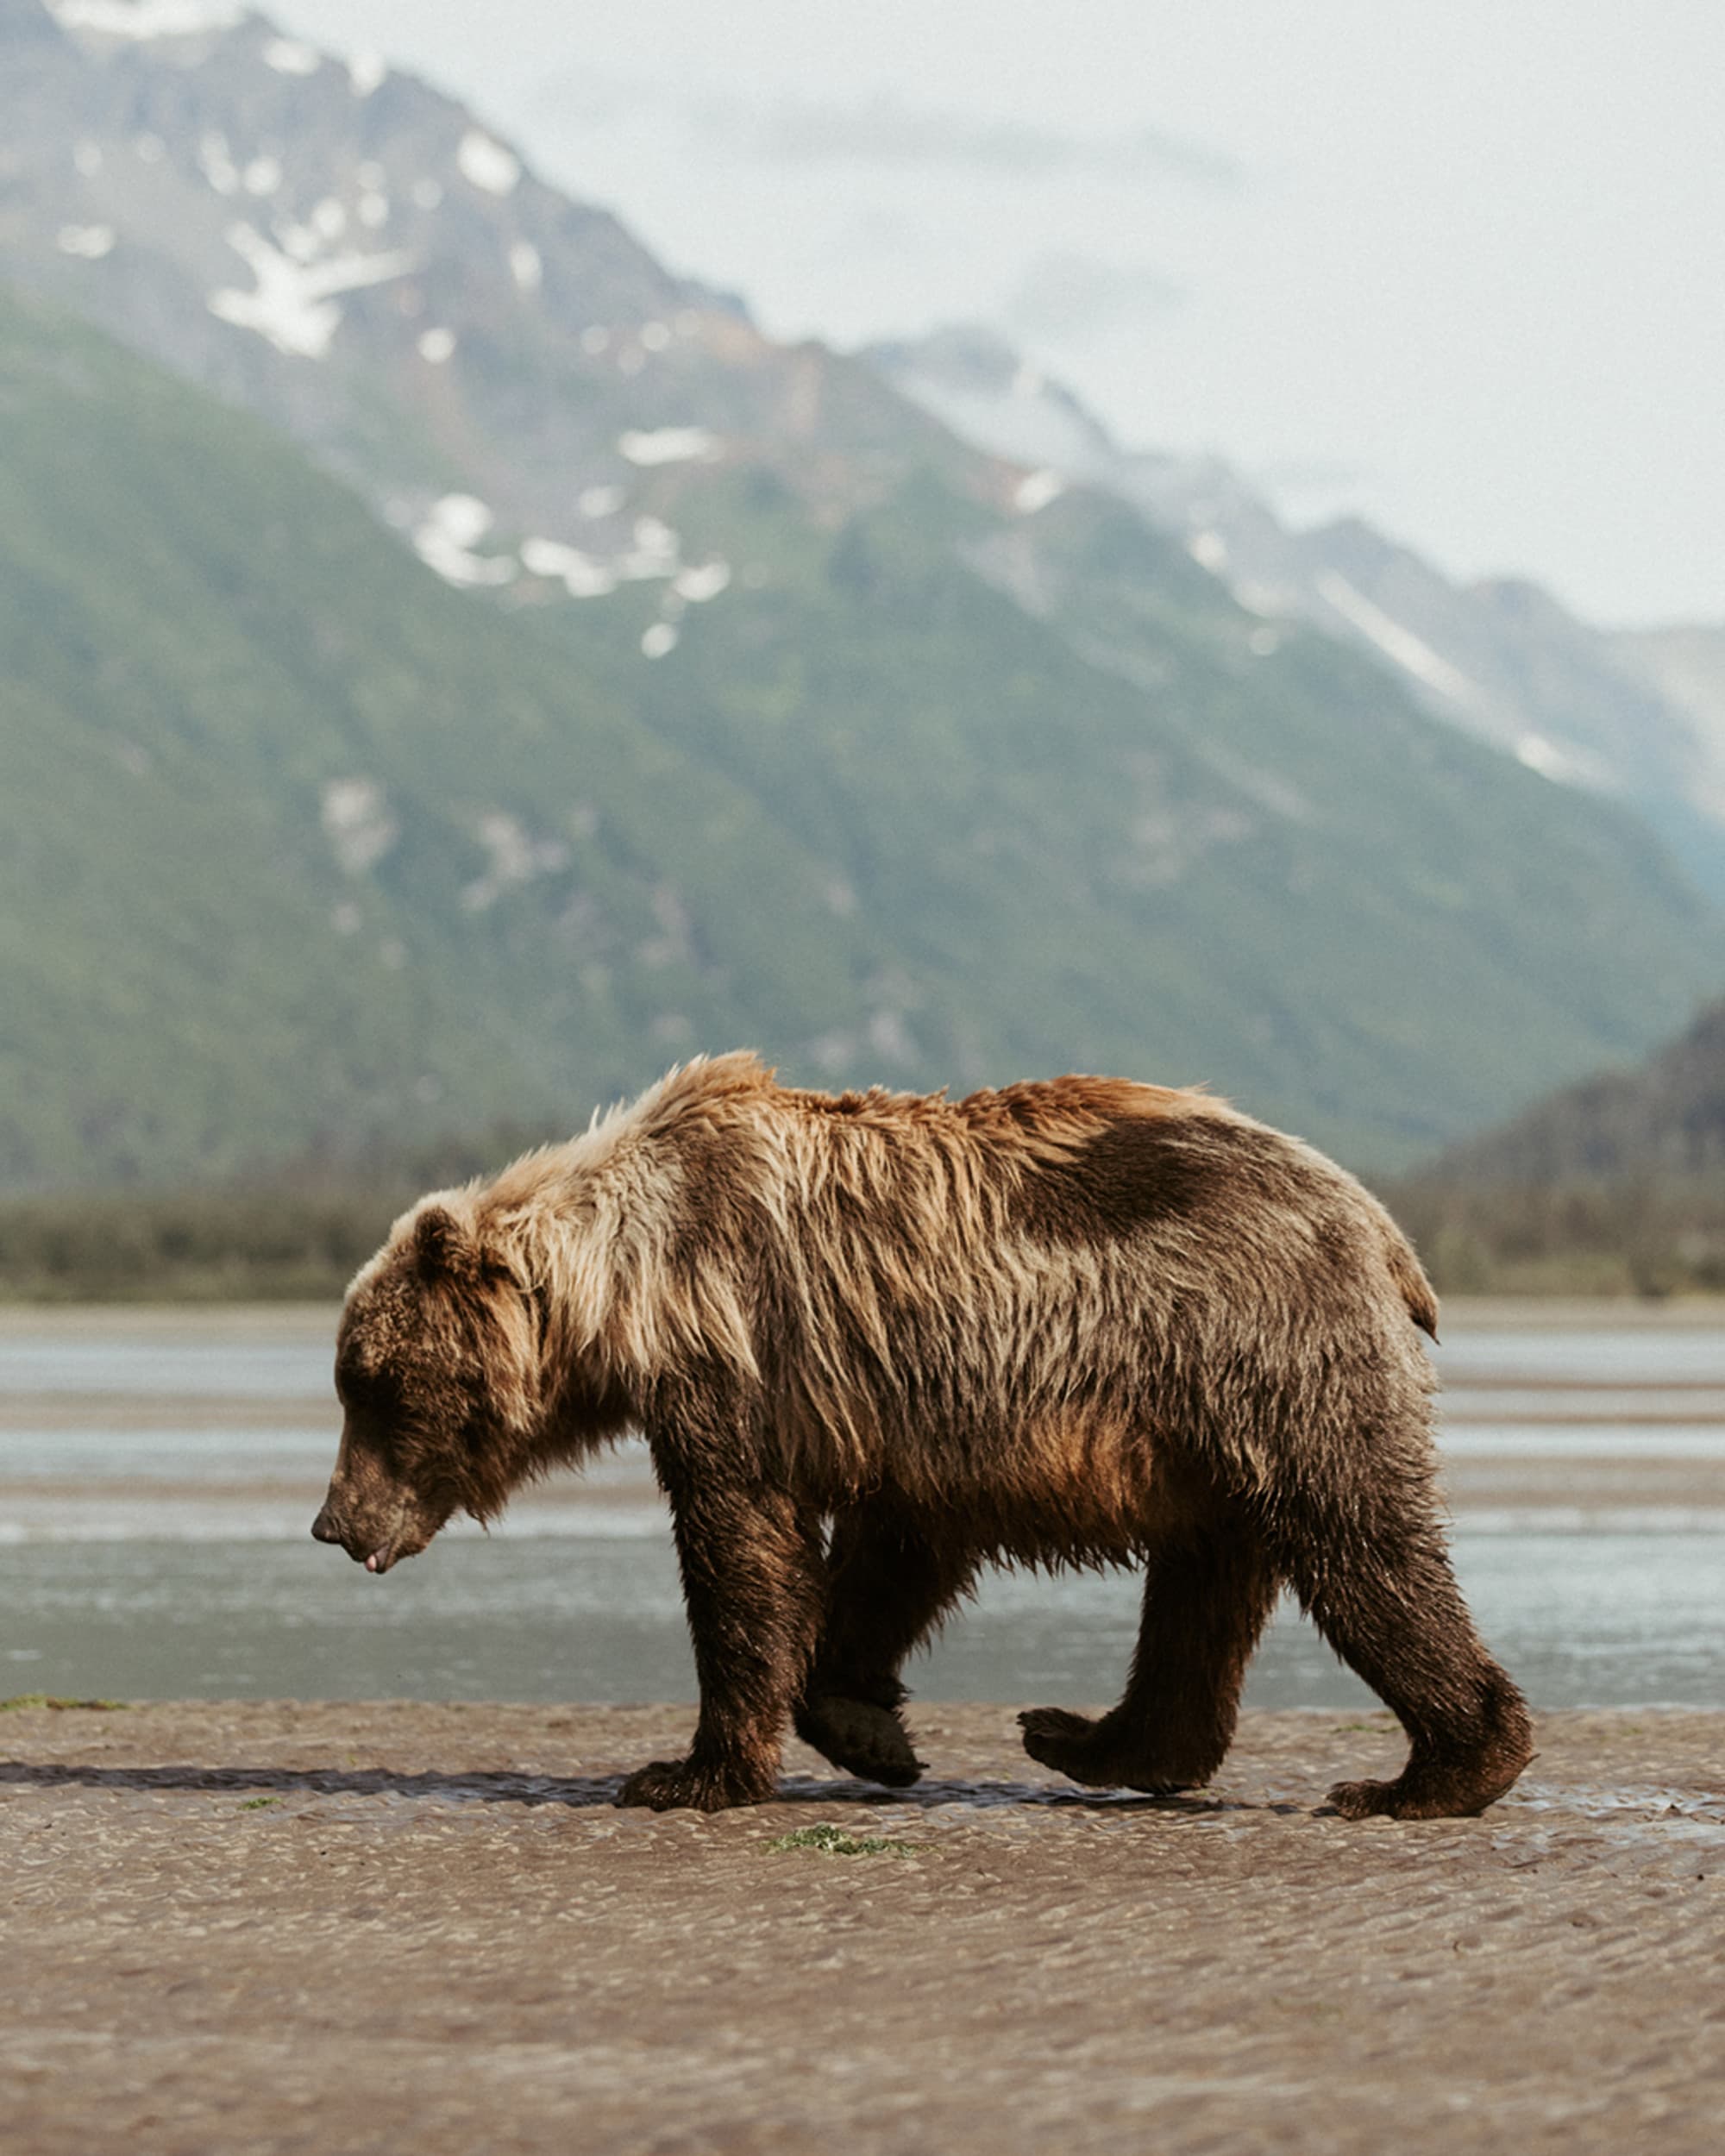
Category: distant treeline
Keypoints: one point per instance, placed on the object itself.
(200, 1247)
(301, 1237)
(1648, 1238)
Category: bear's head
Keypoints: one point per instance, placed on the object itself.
(437, 1367)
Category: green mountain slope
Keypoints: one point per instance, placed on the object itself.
(778, 713)
(303, 849)
(298, 846)
(1485, 919)
(1063, 771)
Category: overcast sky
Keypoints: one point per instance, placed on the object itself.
(1457, 265)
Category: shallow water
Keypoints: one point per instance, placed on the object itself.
(156, 1483)
(258, 1367)
(1581, 1619)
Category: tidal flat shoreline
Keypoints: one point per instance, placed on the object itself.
(349, 1927)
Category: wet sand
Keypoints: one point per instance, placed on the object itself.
(425, 1929)
(401, 1927)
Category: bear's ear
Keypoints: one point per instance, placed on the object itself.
(443, 1249)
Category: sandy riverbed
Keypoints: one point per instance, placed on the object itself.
(410, 1927)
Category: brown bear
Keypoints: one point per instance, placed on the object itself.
(877, 1340)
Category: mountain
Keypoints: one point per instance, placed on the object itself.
(731, 697)
(1612, 1186)
(301, 848)
(355, 257)
(1687, 660)
(1662, 1118)
(1500, 659)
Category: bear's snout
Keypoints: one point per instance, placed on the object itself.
(377, 1526)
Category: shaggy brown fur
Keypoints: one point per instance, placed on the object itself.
(877, 1340)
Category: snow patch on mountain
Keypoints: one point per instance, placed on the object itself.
(1411, 653)
(446, 535)
(145, 20)
(88, 243)
(1036, 490)
(487, 164)
(699, 583)
(288, 56)
(668, 445)
(656, 551)
(215, 162)
(583, 575)
(515, 857)
(653, 555)
(293, 304)
(1563, 765)
(358, 823)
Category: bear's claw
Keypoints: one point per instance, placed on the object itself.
(1416, 1795)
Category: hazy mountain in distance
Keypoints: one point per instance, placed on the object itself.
(1500, 658)
(304, 851)
(763, 708)
(1663, 1119)
(1687, 660)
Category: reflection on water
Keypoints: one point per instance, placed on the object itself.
(1644, 1353)
(1588, 1619)
(1585, 1441)
(156, 1485)
(170, 1455)
(131, 1367)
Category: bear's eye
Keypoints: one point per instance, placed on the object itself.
(368, 1392)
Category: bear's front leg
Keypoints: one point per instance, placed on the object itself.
(753, 1586)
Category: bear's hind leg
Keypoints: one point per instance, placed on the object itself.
(1206, 1592)
(887, 1585)
(1382, 1594)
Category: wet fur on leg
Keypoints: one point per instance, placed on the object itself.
(869, 1741)
(667, 1785)
(1441, 1783)
(1207, 1591)
(889, 1583)
(1101, 1755)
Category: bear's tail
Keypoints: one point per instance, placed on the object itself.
(1409, 1276)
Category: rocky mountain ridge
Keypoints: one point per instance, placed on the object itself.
(732, 696)
(1500, 658)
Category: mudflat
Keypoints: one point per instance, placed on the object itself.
(284, 1927)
